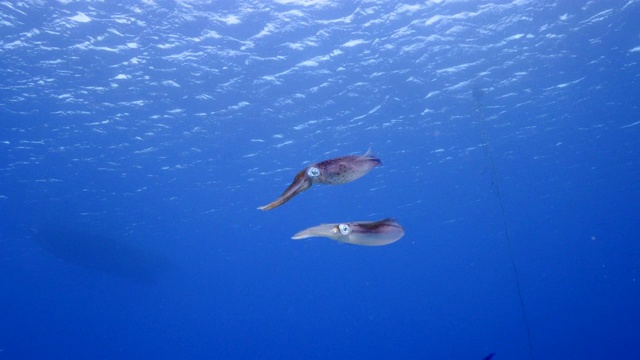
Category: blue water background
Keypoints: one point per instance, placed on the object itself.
(164, 125)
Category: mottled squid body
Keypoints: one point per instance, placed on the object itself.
(330, 172)
(366, 233)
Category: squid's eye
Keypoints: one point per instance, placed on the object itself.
(313, 172)
(344, 229)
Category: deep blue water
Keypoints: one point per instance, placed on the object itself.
(137, 140)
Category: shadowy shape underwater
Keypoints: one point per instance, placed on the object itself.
(98, 252)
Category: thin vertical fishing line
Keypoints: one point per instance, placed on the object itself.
(496, 189)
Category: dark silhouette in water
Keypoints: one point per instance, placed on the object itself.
(101, 253)
(478, 93)
(489, 357)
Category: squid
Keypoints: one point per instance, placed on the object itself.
(340, 170)
(365, 233)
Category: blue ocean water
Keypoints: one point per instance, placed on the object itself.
(138, 138)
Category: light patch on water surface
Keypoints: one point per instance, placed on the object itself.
(80, 17)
